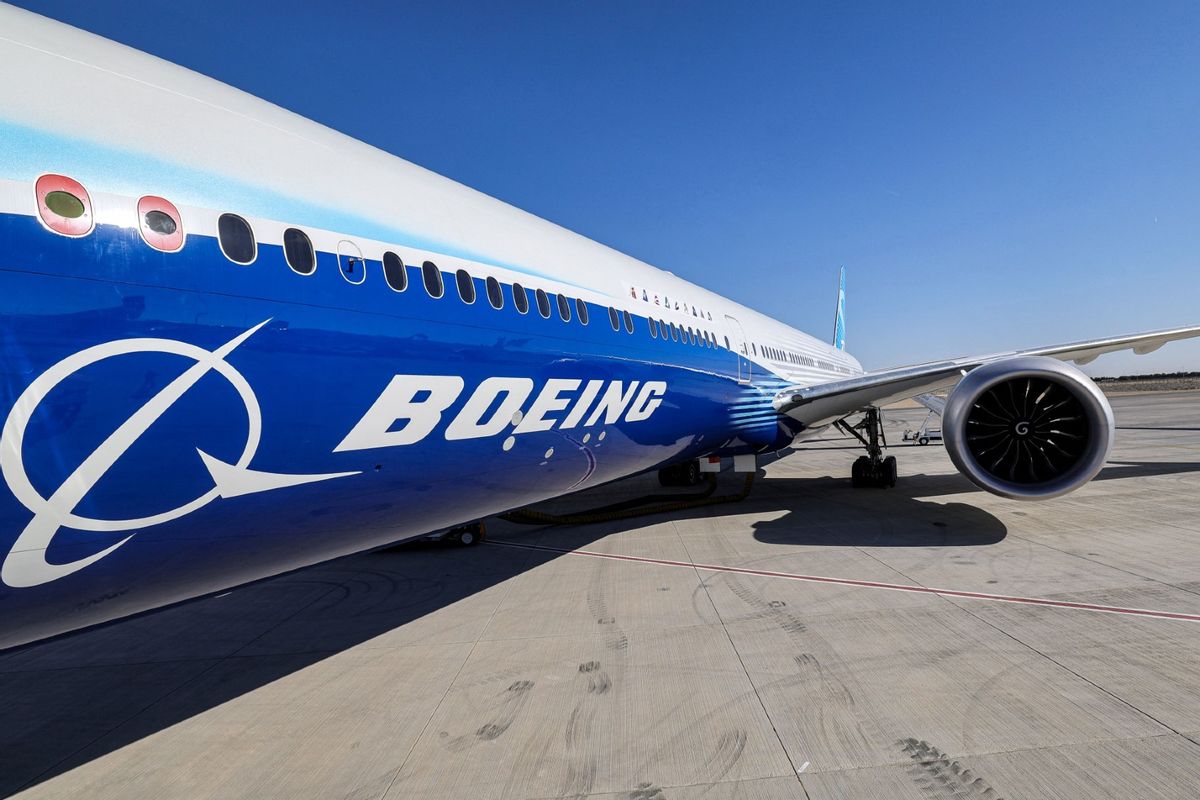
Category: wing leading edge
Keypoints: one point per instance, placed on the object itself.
(823, 403)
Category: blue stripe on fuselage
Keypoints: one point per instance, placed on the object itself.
(315, 368)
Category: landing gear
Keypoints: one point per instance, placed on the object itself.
(467, 535)
(685, 474)
(872, 469)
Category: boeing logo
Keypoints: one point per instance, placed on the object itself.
(408, 409)
(26, 563)
(419, 401)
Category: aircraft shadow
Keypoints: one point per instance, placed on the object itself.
(828, 512)
(66, 702)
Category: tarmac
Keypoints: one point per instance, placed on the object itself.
(927, 641)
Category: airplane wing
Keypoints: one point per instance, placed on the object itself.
(823, 403)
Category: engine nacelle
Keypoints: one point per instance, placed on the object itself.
(1028, 427)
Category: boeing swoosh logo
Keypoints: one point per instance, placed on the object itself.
(26, 564)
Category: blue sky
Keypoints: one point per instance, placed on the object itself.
(992, 175)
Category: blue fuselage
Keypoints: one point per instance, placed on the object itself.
(322, 361)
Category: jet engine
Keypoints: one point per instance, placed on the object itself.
(1028, 427)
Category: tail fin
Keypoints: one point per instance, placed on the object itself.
(839, 322)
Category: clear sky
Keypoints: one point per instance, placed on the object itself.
(991, 174)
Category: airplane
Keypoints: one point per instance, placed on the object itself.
(237, 343)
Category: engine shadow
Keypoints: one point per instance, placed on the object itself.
(828, 512)
(1123, 468)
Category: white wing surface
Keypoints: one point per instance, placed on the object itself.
(824, 403)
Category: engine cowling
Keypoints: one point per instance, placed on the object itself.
(1028, 427)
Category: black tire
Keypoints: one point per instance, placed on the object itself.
(858, 472)
(887, 477)
(669, 476)
(685, 474)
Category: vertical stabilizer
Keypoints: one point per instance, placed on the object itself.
(839, 322)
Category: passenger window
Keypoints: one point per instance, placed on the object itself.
(543, 303)
(394, 272)
(236, 239)
(674, 332)
(64, 205)
(653, 328)
(298, 252)
(581, 310)
(432, 277)
(564, 308)
(727, 345)
(520, 298)
(494, 293)
(466, 286)
(628, 322)
(614, 318)
(160, 224)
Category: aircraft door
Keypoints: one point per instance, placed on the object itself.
(738, 336)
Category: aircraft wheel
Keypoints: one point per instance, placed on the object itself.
(685, 474)
(669, 476)
(468, 535)
(887, 478)
(859, 472)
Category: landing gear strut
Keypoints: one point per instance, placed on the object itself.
(872, 469)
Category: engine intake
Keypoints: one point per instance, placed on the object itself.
(1028, 427)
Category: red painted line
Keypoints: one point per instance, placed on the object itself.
(894, 587)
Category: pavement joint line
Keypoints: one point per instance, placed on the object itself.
(1097, 561)
(895, 587)
(1022, 643)
(449, 686)
(745, 670)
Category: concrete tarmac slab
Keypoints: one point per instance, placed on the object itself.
(507, 672)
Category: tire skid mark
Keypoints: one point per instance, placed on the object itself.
(511, 703)
(645, 791)
(582, 766)
(940, 776)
